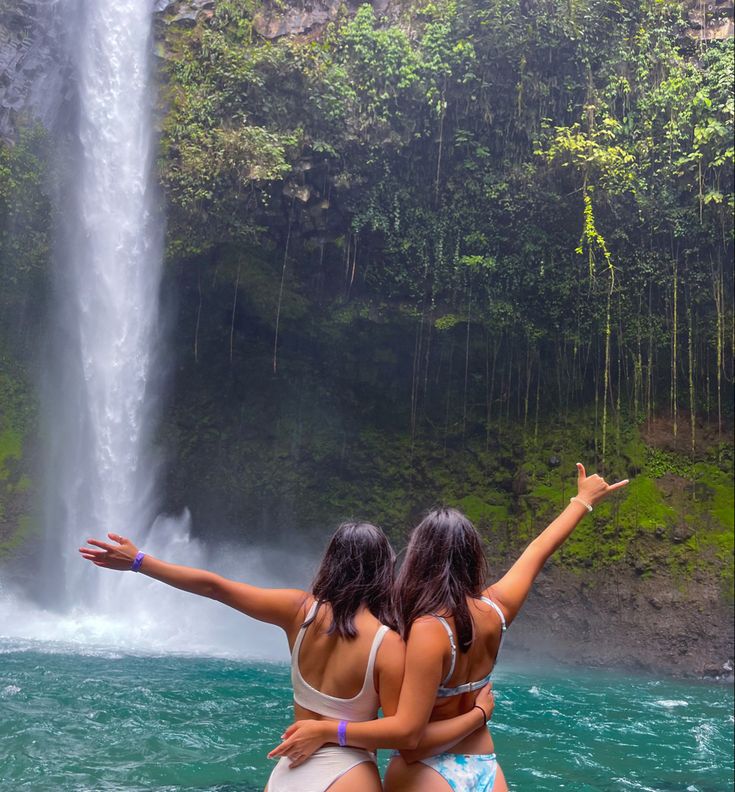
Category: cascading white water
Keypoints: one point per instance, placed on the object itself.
(102, 389)
(114, 267)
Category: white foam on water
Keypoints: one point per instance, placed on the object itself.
(628, 783)
(671, 703)
(132, 613)
(704, 735)
(637, 728)
(535, 690)
(541, 774)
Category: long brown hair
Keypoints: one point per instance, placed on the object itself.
(444, 564)
(357, 569)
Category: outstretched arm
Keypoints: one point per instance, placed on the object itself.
(512, 589)
(275, 606)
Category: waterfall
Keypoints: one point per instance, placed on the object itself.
(109, 271)
(102, 387)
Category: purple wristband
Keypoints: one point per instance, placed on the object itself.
(137, 562)
(342, 733)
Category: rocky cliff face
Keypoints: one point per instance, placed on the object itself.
(305, 16)
(182, 12)
(32, 68)
(710, 21)
(621, 620)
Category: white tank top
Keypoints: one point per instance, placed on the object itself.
(362, 707)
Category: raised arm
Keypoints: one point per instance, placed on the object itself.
(512, 589)
(275, 606)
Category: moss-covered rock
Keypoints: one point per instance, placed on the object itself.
(17, 492)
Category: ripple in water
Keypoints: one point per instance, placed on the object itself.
(87, 722)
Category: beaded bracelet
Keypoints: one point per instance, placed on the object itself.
(584, 503)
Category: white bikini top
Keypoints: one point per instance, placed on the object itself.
(362, 707)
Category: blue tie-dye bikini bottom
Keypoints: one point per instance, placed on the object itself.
(465, 772)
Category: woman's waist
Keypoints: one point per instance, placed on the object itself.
(479, 742)
(352, 715)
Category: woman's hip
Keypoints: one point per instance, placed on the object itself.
(448, 771)
(320, 771)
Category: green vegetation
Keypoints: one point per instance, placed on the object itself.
(440, 258)
(25, 216)
(548, 195)
(17, 409)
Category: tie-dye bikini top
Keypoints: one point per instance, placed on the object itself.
(468, 687)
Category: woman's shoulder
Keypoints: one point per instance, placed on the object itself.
(391, 643)
(496, 602)
(305, 601)
(428, 628)
(392, 639)
(391, 656)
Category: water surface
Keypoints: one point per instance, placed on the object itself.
(84, 719)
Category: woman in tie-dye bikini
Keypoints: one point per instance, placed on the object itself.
(453, 627)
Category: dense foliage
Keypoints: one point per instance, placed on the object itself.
(25, 211)
(543, 192)
(436, 256)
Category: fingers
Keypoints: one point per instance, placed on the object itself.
(92, 555)
(596, 484)
(103, 545)
(486, 698)
(290, 730)
(117, 538)
(280, 750)
(97, 557)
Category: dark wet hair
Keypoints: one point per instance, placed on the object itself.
(357, 569)
(444, 564)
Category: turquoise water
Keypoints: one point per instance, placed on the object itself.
(88, 720)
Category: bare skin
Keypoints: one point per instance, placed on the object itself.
(428, 655)
(334, 665)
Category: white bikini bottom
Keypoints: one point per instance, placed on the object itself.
(319, 771)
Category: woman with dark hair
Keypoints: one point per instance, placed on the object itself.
(453, 626)
(346, 661)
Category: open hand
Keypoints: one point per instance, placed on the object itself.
(301, 739)
(594, 488)
(118, 556)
